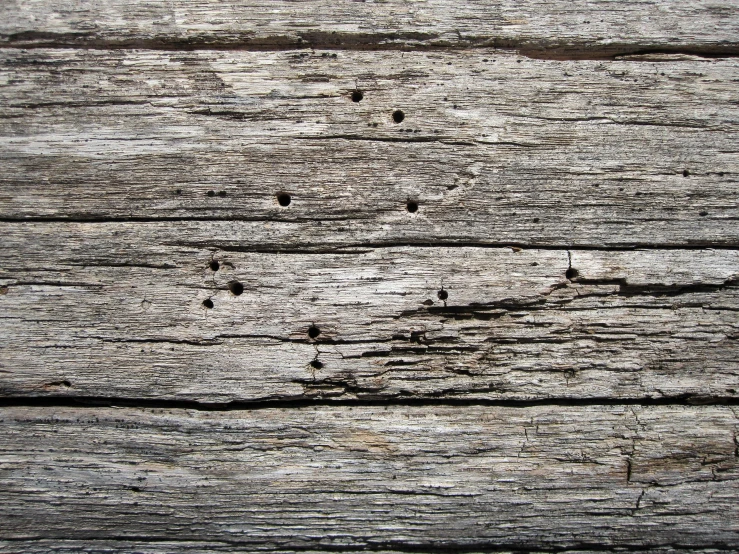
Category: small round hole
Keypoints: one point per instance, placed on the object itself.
(571, 273)
(357, 96)
(284, 199)
(316, 364)
(686, 172)
(412, 206)
(178, 192)
(222, 193)
(236, 288)
(211, 193)
(442, 294)
(398, 116)
(313, 331)
(703, 213)
(214, 265)
(536, 220)
(208, 303)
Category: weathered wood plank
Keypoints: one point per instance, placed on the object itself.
(393, 477)
(579, 28)
(598, 124)
(535, 153)
(91, 313)
(208, 547)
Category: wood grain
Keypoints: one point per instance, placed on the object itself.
(208, 547)
(538, 27)
(353, 478)
(506, 323)
(493, 151)
(93, 310)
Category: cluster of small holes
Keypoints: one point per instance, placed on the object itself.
(212, 193)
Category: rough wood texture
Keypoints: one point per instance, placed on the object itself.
(526, 290)
(512, 325)
(493, 151)
(539, 27)
(208, 547)
(376, 477)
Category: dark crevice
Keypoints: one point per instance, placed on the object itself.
(657, 290)
(71, 401)
(165, 219)
(369, 138)
(73, 104)
(53, 284)
(448, 547)
(374, 41)
(364, 247)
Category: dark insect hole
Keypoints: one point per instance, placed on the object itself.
(236, 288)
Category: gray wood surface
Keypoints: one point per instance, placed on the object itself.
(493, 151)
(542, 357)
(99, 322)
(385, 477)
(578, 28)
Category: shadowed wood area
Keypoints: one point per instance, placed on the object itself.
(400, 276)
